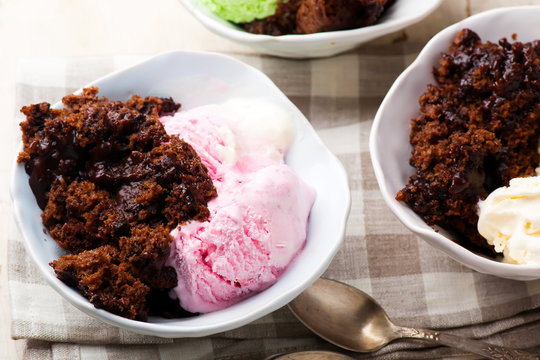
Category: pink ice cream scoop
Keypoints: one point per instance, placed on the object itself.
(257, 224)
(256, 227)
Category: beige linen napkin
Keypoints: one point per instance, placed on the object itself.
(418, 285)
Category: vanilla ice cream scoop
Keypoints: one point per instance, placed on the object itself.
(509, 219)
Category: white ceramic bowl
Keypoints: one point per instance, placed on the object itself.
(398, 16)
(389, 139)
(195, 79)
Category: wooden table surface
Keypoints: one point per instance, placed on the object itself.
(40, 28)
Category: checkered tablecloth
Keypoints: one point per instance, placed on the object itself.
(418, 285)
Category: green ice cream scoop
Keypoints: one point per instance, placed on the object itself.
(241, 11)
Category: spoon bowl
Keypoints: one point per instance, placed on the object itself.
(310, 355)
(328, 307)
(351, 319)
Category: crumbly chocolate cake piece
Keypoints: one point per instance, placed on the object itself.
(312, 16)
(81, 216)
(102, 277)
(478, 128)
(109, 179)
(281, 23)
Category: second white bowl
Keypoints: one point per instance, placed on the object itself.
(389, 139)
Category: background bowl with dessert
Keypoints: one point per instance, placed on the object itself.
(198, 79)
(320, 44)
(390, 145)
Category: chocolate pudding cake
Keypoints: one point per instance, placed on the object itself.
(478, 128)
(112, 185)
(312, 16)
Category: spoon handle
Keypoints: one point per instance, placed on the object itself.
(478, 347)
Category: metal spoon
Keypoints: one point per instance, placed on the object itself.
(351, 319)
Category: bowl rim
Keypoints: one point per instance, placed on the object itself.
(237, 34)
(164, 329)
(402, 211)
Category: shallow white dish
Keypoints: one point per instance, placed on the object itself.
(403, 13)
(389, 138)
(195, 79)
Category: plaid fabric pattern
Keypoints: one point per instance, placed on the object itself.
(418, 285)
